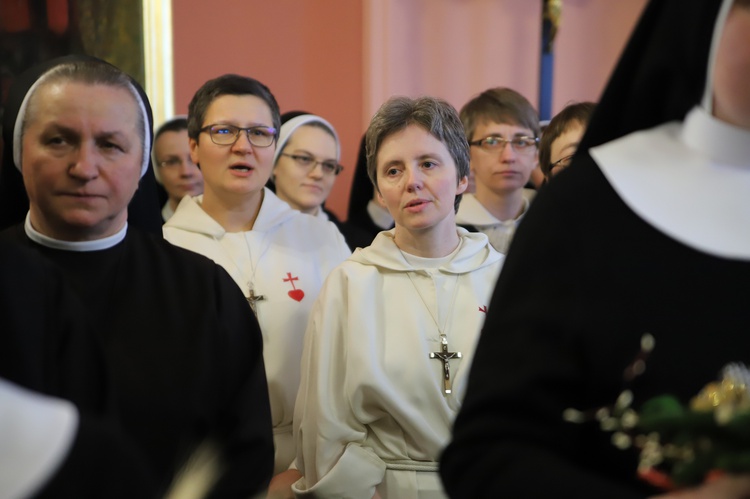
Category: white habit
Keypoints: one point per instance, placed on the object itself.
(371, 410)
(471, 213)
(285, 257)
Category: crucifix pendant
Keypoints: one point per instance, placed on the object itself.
(252, 298)
(445, 356)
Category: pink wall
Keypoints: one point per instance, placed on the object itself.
(592, 35)
(450, 48)
(342, 58)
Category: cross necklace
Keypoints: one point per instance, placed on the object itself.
(444, 355)
(251, 297)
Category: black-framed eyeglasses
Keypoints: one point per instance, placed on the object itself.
(497, 143)
(561, 163)
(328, 166)
(227, 135)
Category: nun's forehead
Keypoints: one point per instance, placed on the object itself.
(57, 77)
(58, 85)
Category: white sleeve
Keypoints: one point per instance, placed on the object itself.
(343, 248)
(331, 454)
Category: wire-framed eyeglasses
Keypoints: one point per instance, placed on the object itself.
(329, 166)
(227, 135)
(561, 163)
(497, 143)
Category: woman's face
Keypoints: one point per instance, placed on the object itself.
(241, 169)
(305, 188)
(732, 70)
(81, 159)
(502, 171)
(179, 175)
(417, 180)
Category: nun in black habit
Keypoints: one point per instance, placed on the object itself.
(56, 447)
(645, 233)
(182, 349)
(364, 213)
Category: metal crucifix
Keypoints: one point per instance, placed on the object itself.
(445, 356)
(252, 298)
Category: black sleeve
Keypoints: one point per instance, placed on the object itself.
(100, 463)
(534, 359)
(46, 342)
(244, 426)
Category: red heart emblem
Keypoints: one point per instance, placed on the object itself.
(297, 294)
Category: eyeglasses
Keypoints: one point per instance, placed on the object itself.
(175, 161)
(329, 167)
(561, 163)
(497, 143)
(227, 135)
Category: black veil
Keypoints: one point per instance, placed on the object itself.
(661, 73)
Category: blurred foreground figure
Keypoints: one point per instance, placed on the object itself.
(645, 235)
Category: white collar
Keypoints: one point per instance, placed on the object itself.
(167, 211)
(379, 215)
(689, 180)
(191, 217)
(472, 212)
(322, 215)
(80, 246)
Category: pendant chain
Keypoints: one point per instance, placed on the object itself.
(441, 330)
(444, 355)
(252, 298)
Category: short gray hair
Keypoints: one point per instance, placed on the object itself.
(436, 116)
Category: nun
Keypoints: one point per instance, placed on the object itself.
(307, 141)
(174, 169)
(642, 240)
(183, 353)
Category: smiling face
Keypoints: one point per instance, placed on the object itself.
(81, 159)
(179, 175)
(304, 188)
(241, 170)
(417, 181)
(506, 171)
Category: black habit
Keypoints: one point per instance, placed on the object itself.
(183, 354)
(584, 280)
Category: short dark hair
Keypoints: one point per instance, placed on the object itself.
(434, 115)
(499, 105)
(228, 84)
(579, 113)
(174, 125)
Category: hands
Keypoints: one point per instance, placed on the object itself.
(724, 487)
(281, 485)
